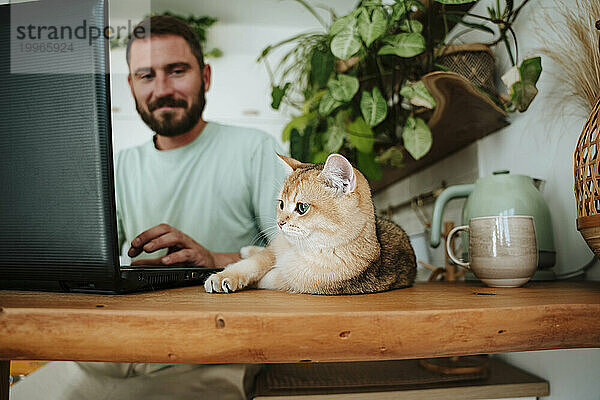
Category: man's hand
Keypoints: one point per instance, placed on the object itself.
(182, 248)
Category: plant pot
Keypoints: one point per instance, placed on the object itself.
(474, 61)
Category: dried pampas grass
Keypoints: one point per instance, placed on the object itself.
(572, 43)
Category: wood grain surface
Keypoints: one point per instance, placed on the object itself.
(431, 319)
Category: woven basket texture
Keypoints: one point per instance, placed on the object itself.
(473, 61)
(587, 166)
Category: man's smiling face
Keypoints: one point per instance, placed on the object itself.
(167, 83)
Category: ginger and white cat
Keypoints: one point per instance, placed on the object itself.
(329, 239)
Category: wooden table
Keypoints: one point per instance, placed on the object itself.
(187, 325)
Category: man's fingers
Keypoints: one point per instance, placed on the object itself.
(164, 236)
(133, 252)
(150, 234)
(181, 256)
(169, 239)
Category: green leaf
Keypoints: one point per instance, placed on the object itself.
(368, 165)
(343, 87)
(343, 23)
(328, 104)
(371, 27)
(373, 107)
(455, 1)
(522, 94)
(319, 157)
(300, 145)
(360, 135)
(299, 123)
(345, 44)
(392, 156)
(333, 138)
(404, 45)
(371, 3)
(316, 98)
(418, 95)
(321, 67)
(530, 70)
(214, 53)
(277, 95)
(398, 12)
(411, 25)
(416, 137)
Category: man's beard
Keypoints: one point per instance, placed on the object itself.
(167, 126)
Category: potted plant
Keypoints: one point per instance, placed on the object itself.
(199, 24)
(357, 83)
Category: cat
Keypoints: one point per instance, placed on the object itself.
(329, 242)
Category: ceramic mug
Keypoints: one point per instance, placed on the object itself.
(502, 249)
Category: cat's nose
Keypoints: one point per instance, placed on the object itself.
(281, 223)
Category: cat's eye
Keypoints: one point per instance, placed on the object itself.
(281, 204)
(302, 208)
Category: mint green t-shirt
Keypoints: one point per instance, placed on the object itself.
(221, 189)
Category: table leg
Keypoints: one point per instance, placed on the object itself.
(4, 377)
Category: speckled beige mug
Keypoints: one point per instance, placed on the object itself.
(502, 249)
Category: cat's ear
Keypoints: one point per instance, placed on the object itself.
(290, 163)
(339, 174)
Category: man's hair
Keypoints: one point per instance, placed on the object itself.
(166, 25)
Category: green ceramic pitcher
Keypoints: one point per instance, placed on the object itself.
(500, 194)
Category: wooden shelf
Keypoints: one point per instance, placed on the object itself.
(431, 319)
(462, 116)
(387, 380)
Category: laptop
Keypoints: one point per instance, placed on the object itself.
(58, 227)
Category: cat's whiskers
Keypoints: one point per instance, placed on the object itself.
(268, 233)
(265, 233)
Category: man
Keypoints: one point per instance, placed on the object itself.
(234, 171)
(195, 194)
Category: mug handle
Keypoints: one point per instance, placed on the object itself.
(449, 249)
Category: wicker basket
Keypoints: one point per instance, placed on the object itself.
(587, 180)
(474, 61)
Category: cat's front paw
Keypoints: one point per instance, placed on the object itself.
(225, 282)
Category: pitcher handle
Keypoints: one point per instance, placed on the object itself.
(438, 209)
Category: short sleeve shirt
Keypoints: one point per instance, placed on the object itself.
(221, 189)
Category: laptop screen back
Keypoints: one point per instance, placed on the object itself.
(57, 218)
